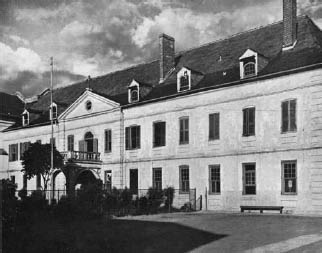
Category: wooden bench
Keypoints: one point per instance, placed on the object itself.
(261, 208)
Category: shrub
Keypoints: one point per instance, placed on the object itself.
(169, 194)
(155, 199)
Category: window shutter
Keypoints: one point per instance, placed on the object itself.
(251, 118)
(180, 178)
(285, 116)
(21, 150)
(187, 130)
(211, 127)
(216, 125)
(127, 138)
(95, 145)
(81, 145)
(244, 122)
(163, 135)
(293, 115)
(138, 136)
(106, 140)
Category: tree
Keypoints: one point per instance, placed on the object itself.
(37, 161)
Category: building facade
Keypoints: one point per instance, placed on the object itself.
(239, 120)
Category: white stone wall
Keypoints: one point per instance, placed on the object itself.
(267, 148)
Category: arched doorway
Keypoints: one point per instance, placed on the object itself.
(58, 185)
(84, 178)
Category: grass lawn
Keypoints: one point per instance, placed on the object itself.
(177, 232)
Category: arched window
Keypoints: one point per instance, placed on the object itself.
(249, 69)
(25, 118)
(134, 94)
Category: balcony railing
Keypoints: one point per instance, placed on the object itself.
(81, 156)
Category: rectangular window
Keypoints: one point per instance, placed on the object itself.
(289, 116)
(249, 121)
(184, 130)
(23, 147)
(132, 137)
(214, 126)
(13, 152)
(13, 179)
(157, 178)
(159, 129)
(70, 142)
(108, 180)
(184, 179)
(214, 179)
(249, 178)
(24, 182)
(38, 181)
(289, 177)
(108, 141)
(134, 181)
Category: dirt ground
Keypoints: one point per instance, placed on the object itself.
(171, 233)
(250, 232)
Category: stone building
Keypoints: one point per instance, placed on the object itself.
(238, 119)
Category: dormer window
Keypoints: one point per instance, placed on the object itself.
(53, 111)
(133, 92)
(251, 63)
(25, 118)
(249, 69)
(184, 80)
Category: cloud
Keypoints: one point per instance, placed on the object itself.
(96, 37)
(191, 29)
(30, 83)
(14, 61)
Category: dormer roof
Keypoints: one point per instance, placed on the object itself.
(218, 61)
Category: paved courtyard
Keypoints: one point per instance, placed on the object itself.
(250, 232)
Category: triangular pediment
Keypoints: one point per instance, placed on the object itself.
(89, 103)
(248, 53)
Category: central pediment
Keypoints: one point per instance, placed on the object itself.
(89, 103)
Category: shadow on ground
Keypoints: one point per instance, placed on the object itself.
(107, 236)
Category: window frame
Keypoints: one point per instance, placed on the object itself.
(70, 145)
(283, 192)
(108, 140)
(23, 147)
(25, 118)
(289, 123)
(247, 127)
(157, 184)
(185, 131)
(245, 179)
(162, 138)
(186, 188)
(16, 158)
(212, 180)
(245, 65)
(214, 133)
(129, 143)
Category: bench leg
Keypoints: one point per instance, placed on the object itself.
(261, 210)
(242, 210)
(281, 211)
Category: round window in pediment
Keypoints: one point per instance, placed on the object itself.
(88, 105)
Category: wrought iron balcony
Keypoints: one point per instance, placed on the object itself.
(81, 156)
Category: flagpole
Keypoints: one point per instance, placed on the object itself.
(51, 117)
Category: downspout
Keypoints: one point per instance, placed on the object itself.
(122, 147)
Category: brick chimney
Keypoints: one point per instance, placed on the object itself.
(166, 45)
(289, 23)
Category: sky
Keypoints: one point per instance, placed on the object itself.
(95, 37)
